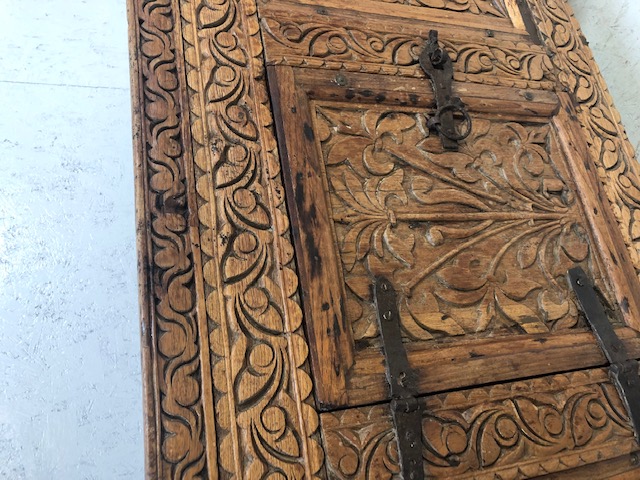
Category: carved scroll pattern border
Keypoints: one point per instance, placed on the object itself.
(600, 120)
(265, 420)
(251, 331)
(243, 229)
(299, 40)
(175, 418)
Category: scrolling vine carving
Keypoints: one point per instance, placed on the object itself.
(608, 143)
(178, 415)
(215, 228)
(477, 240)
(493, 8)
(291, 40)
(267, 424)
(520, 430)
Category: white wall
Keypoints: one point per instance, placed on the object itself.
(70, 395)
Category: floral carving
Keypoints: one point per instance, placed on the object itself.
(494, 8)
(519, 430)
(174, 365)
(290, 38)
(600, 121)
(264, 414)
(477, 240)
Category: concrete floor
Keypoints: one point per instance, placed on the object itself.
(70, 390)
(70, 394)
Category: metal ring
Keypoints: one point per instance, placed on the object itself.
(456, 137)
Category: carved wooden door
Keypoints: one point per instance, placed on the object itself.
(288, 159)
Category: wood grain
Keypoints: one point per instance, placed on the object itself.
(319, 273)
(228, 385)
(478, 362)
(509, 431)
(624, 467)
(476, 250)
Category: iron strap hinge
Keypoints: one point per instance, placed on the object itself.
(623, 370)
(406, 410)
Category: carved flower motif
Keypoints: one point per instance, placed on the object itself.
(476, 240)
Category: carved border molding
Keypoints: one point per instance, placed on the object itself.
(493, 8)
(227, 388)
(266, 422)
(226, 383)
(515, 430)
(308, 42)
(607, 141)
(175, 418)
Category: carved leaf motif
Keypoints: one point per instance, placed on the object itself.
(574, 243)
(467, 274)
(400, 247)
(520, 314)
(554, 304)
(424, 310)
(518, 287)
(487, 229)
(342, 151)
(390, 191)
(489, 7)
(527, 253)
(493, 432)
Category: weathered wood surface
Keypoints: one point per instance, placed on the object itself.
(228, 386)
(476, 242)
(509, 431)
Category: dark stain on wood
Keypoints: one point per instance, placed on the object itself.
(624, 305)
(308, 132)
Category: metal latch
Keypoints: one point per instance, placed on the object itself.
(406, 410)
(437, 64)
(623, 370)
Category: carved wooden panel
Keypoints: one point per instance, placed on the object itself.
(510, 431)
(229, 391)
(495, 8)
(304, 37)
(476, 241)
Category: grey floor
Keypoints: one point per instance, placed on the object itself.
(70, 393)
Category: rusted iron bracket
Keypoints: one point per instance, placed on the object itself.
(623, 370)
(437, 64)
(405, 407)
